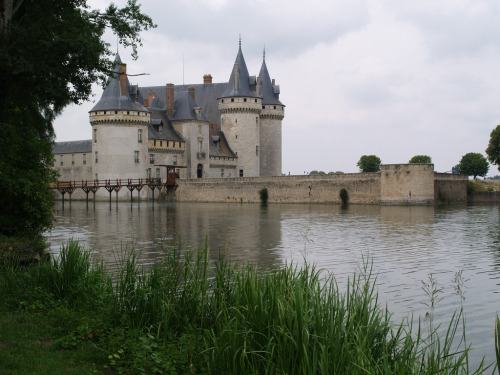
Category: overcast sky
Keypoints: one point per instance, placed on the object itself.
(393, 78)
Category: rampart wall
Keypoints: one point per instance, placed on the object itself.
(363, 188)
(450, 188)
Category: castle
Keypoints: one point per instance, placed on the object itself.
(208, 130)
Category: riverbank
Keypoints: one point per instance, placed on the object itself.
(188, 315)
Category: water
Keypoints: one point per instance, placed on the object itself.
(404, 244)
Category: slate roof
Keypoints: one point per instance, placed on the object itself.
(223, 148)
(244, 83)
(184, 107)
(159, 118)
(206, 95)
(72, 147)
(112, 99)
(269, 93)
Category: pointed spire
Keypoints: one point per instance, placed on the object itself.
(269, 92)
(239, 81)
(116, 94)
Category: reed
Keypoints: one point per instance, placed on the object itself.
(217, 318)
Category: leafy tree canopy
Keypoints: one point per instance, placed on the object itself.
(473, 164)
(369, 163)
(421, 159)
(51, 51)
(316, 172)
(493, 150)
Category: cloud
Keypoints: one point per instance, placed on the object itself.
(385, 77)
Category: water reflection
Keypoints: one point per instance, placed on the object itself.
(404, 244)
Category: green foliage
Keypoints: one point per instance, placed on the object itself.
(497, 343)
(344, 196)
(493, 150)
(188, 315)
(47, 63)
(473, 164)
(420, 159)
(316, 172)
(264, 195)
(369, 163)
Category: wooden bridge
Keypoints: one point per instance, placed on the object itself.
(88, 186)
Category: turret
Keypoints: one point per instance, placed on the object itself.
(119, 130)
(273, 112)
(240, 107)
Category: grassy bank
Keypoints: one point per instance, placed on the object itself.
(189, 316)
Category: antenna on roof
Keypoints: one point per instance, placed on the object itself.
(117, 43)
(240, 39)
(264, 53)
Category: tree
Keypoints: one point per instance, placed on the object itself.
(421, 159)
(473, 164)
(369, 163)
(47, 63)
(493, 150)
(316, 172)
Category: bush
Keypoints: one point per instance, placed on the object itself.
(344, 196)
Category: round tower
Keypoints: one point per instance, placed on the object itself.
(271, 117)
(119, 132)
(240, 107)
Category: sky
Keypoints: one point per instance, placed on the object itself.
(392, 78)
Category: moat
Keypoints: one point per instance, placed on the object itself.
(404, 244)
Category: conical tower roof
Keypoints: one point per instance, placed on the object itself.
(239, 82)
(268, 90)
(112, 99)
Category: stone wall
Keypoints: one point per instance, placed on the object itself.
(363, 188)
(450, 188)
(407, 184)
(484, 197)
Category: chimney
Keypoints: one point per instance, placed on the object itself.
(207, 78)
(236, 76)
(170, 99)
(123, 79)
(259, 86)
(191, 92)
(273, 82)
(150, 98)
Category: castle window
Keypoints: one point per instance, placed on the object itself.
(154, 143)
(116, 112)
(157, 172)
(161, 143)
(128, 112)
(151, 158)
(104, 112)
(72, 159)
(199, 128)
(235, 121)
(139, 135)
(245, 99)
(256, 120)
(136, 157)
(241, 172)
(236, 136)
(222, 172)
(84, 159)
(200, 145)
(95, 135)
(274, 107)
(149, 172)
(96, 158)
(175, 160)
(62, 161)
(255, 100)
(263, 107)
(232, 100)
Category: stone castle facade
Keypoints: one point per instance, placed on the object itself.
(208, 130)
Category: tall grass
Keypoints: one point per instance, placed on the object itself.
(222, 319)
